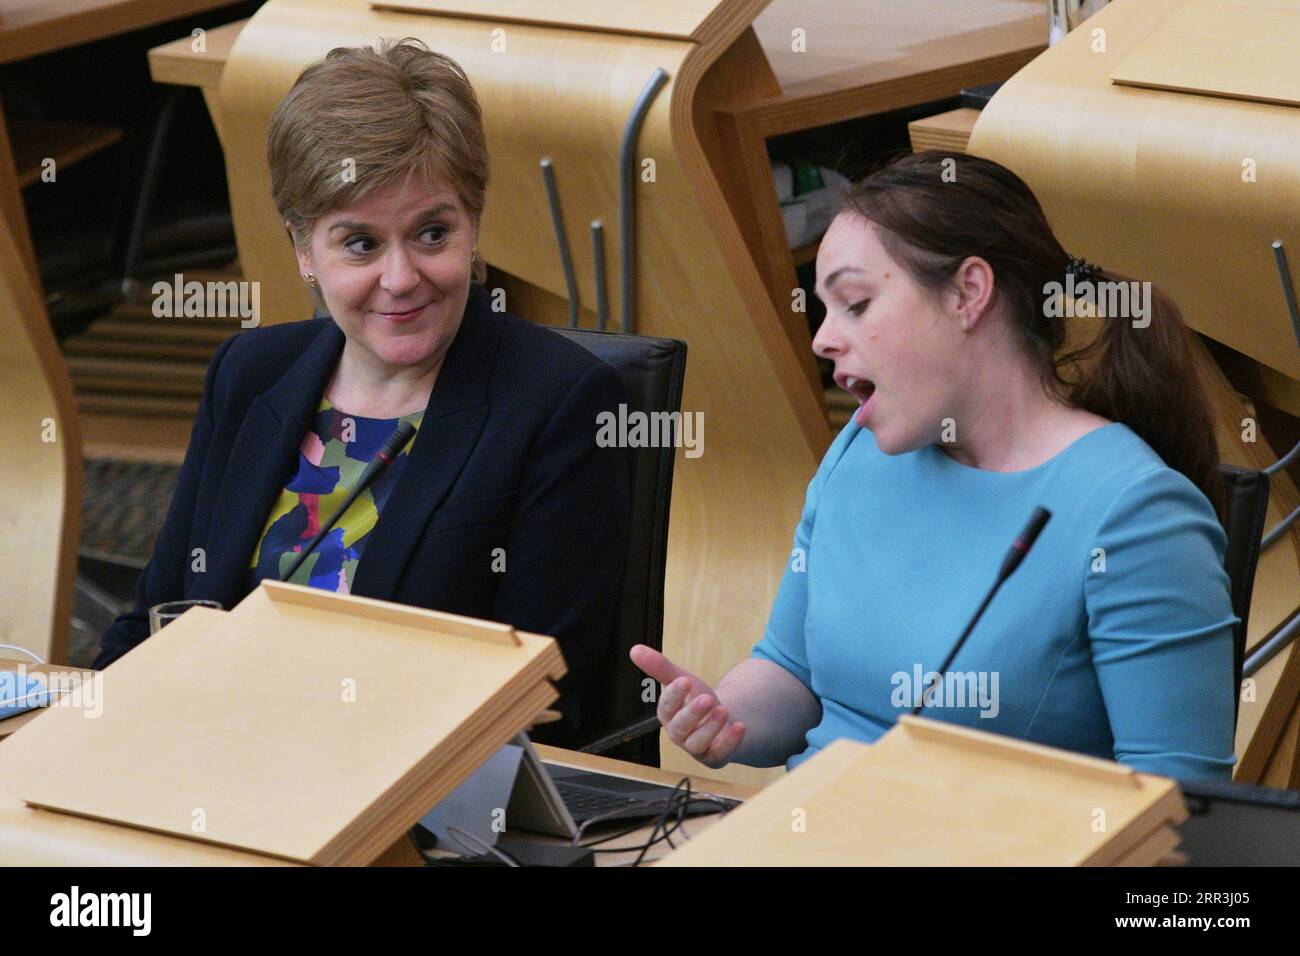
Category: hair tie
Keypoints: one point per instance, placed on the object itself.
(1082, 268)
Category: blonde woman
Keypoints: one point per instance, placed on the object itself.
(502, 506)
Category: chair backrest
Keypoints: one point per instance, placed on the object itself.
(654, 370)
(1247, 510)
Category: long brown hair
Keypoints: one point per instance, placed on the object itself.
(935, 209)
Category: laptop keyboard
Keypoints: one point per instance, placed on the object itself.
(584, 803)
(588, 795)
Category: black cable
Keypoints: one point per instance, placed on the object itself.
(676, 805)
(671, 818)
(464, 839)
(640, 809)
(594, 845)
(662, 821)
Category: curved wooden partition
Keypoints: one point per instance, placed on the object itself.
(40, 444)
(563, 86)
(1184, 174)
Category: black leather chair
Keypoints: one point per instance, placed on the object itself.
(1247, 510)
(654, 370)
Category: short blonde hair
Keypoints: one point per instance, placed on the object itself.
(368, 118)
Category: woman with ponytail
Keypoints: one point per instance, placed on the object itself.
(943, 284)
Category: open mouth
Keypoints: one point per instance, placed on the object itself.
(860, 388)
(864, 390)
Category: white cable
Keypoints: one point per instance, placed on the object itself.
(15, 647)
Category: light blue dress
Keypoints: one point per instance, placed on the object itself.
(1113, 638)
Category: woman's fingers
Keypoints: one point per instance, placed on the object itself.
(664, 670)
(689, 717)
(699, 740)
(724, 745)
(657, 666)
(672, 700)
(689, 712)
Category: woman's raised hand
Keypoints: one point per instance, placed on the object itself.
(690, 711)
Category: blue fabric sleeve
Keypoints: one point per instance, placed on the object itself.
(1161, 608)
(783, 641)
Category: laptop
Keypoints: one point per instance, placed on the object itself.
(514, 789)
(1238, 824)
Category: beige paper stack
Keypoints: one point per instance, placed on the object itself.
(935, 794)
(305, 725)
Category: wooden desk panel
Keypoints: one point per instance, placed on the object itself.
(852, 47)
(29, 28)
(33, 837)
(179, 63)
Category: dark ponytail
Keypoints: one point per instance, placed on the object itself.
(935, 209)
(1146, 377)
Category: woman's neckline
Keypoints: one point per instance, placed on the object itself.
(948, 460)
(327, 405)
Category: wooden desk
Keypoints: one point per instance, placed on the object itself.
(29, 28)
(180, 64)
(32, 837)
(950, 131)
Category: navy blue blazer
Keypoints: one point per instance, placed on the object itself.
(506, 457)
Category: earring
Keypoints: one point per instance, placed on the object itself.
(310, 279)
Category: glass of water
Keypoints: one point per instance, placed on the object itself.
(160, 615)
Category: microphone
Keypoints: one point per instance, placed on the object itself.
(625, 736)
(1019, 548)
(383, 458)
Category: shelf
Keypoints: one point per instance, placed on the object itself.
(910, 54)
(65, 143)
(950, 131)
(178, 63)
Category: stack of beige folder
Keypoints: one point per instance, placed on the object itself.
(306, 725)
(933, 794)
